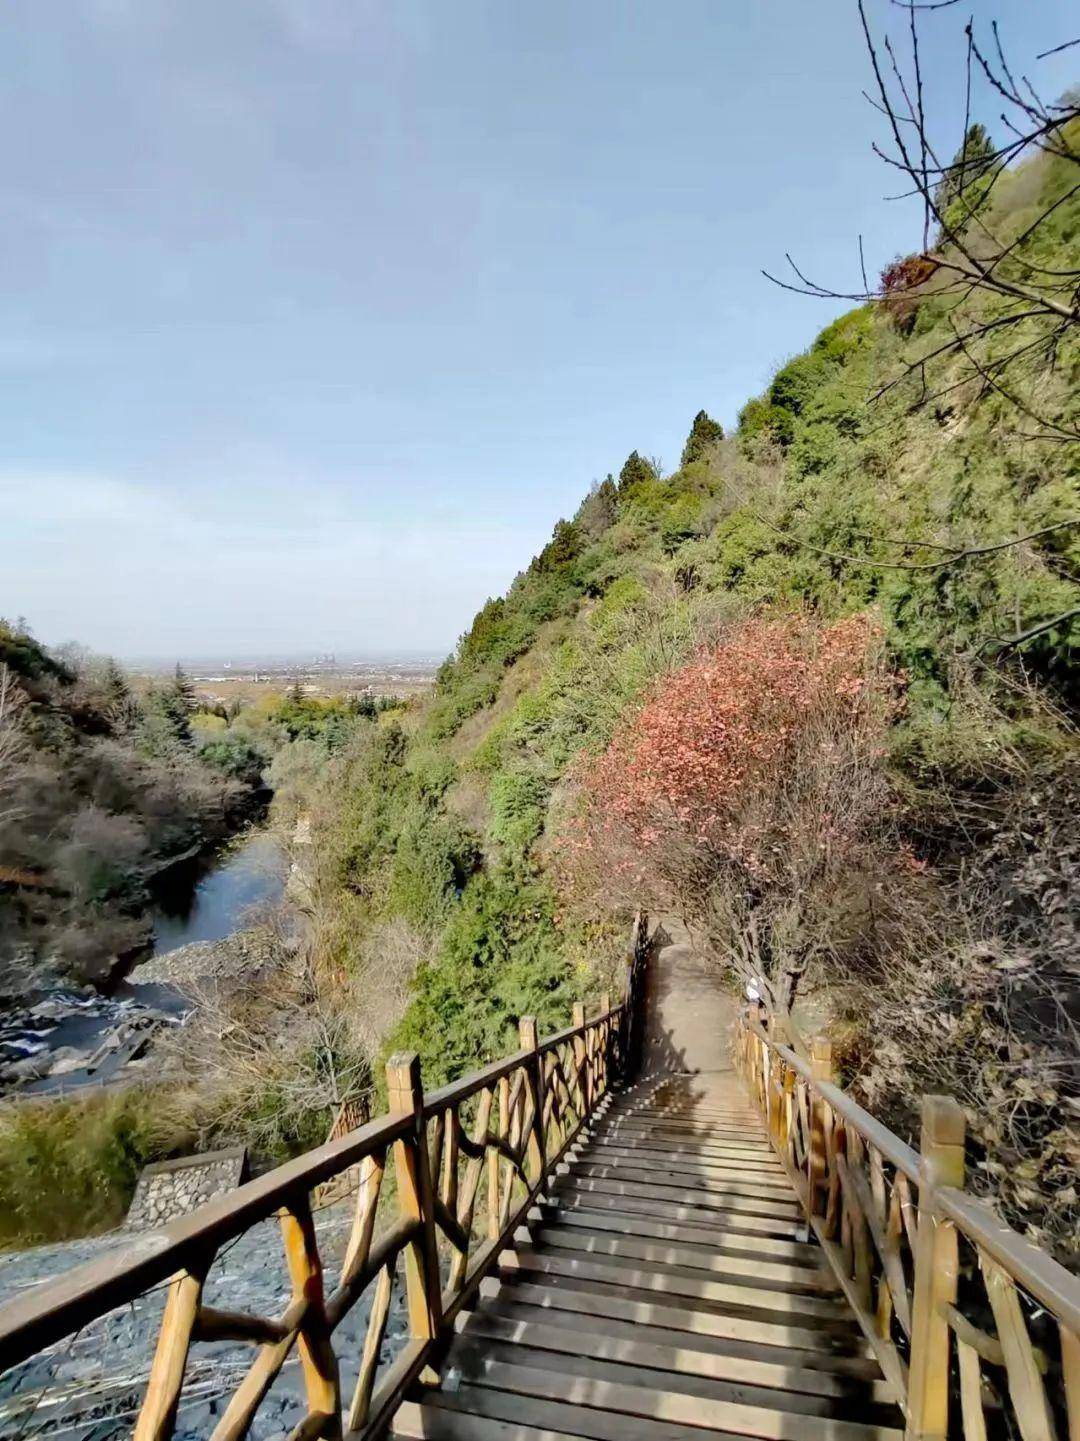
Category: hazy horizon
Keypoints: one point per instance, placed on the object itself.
(318, 314)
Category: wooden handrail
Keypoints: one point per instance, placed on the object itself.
(1038, 1274)
(547, 1091)
(46, 1313)
(455, 1092)
(899, 1231)
(902, 1156)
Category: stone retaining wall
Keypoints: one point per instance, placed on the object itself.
(169, 1189)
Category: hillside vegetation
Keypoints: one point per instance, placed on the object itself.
(811, 691)
(99, 789)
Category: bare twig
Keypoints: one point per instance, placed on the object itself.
(967, 552)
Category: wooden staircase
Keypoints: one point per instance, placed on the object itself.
(664, 1287)
(688, 1231)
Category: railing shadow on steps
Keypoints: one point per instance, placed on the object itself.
(467, 1163)
(926, 1267)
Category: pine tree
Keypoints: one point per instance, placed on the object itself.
(114, 684)
(184, 691)
(634, 472)
(296, 692)
(704, 432)
(972, 161)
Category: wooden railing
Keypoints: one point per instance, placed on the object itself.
(466, 1161)
(975, 1328)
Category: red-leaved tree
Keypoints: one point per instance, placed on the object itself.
(748, 793)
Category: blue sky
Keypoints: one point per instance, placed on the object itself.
(315, 315)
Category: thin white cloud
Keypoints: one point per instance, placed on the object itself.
(136, 570)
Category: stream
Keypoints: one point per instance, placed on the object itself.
(213, 897)
(68, 1039)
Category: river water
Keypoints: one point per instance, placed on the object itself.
(214, 897)
(69, 1039)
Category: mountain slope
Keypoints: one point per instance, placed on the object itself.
(442, 884)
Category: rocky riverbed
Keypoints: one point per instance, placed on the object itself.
(91, 1385)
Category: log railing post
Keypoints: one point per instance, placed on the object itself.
(317, 1359)
(778, 1033)
(158, 1415)
(581, 1061)
(821, 1069)
(605, 1044)
(941, 1163)
(415, 1197)
(535, 1073)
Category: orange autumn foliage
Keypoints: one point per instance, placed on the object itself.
(758, 762)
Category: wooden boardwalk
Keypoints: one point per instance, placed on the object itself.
(665, 1222)
(664, 1288)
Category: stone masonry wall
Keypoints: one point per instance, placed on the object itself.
(169, 1189)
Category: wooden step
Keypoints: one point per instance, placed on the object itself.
(570, 1196)
(639, 1153)
(682, 1131)
(691, 1259)
(730, 1200)
(683, 1368)
(436, 1423)
(506, 1302)
(481, 1361)
(610, 1153)
(814, 1339)
(660, 1283)
(650, 1138)
(724, 1183)
(708, 1239)
(743, 1115)
(611, 1411)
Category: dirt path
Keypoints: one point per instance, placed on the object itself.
(688, 1013)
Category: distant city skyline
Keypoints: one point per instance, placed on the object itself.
(316, 315)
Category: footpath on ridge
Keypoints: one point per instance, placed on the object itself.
(662, 1288)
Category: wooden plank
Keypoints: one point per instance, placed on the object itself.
(688, 1363)
(731, 1220)
(439, 1424)
(1070, 1378)
(644, 1413)
(682, 1318)
(699, 1115)
(734, 1160)
(776, 1273)
(702, 1148)
(777, 1209)
(724, 1184)
(707, 1238)
(971, 1407)
(573, 1316)
(477, 1357)
(674, 1135)
(1027, 1393)
(663, 1282)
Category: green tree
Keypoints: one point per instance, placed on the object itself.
(704, 433)
(114, 685)
(599, 509)
(635, 472)
(183, 691)
(971, 163)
